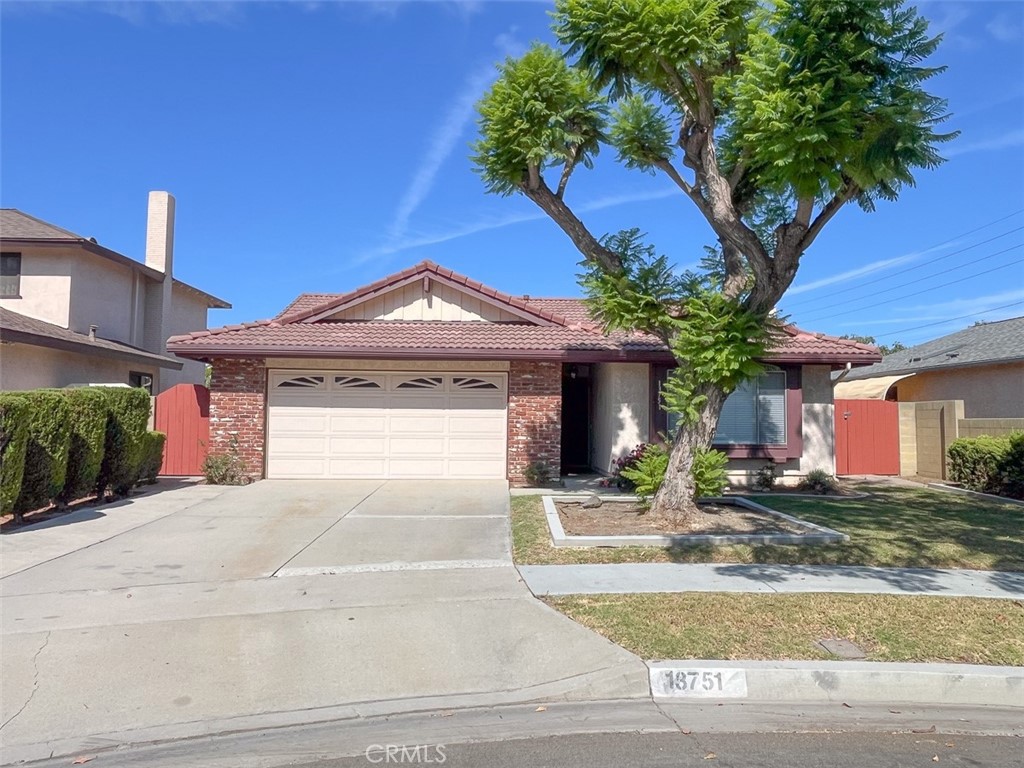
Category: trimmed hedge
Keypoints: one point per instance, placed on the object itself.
(88, 422)
(13, 440)
(152, 456)
(989, 464)
(127, 419)
(46, 451)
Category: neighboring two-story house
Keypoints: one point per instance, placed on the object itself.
(73, 312)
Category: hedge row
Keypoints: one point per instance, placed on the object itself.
(58, 445)
(989, 464)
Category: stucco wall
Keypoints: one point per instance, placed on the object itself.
(621, 411)
(188, 313)
(988, 391)
(24, 366)
(45, 285)
(101, 295)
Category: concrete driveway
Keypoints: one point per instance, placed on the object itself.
(276, 603)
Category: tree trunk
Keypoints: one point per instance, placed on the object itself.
(676, 498)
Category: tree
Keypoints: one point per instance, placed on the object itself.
(769, 116)
(885, 349)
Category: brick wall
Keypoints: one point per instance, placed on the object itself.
(238, 409)
(534, 417)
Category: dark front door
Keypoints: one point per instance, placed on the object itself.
(575, 418)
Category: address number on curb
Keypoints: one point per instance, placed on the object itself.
(699, 683)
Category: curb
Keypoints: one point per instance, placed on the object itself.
(975, 494)
(847, 682)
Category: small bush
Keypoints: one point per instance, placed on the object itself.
(226, 468)
(13, 442)
(537, 473)
(1012, 467)
(819, 481)
(646, 472)
(87, 423)
(709, 476)
(975, 462)
(127, 418)
(627, 462)
(765, 477)
(152, 456)
(46, 451)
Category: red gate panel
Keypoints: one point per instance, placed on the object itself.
(183, 414)
(867, 437)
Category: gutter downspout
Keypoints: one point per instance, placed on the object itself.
(843, 375)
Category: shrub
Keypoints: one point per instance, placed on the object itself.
(226, 468)
(537, 473)
(127, 418)
(975, 462)
(13, 441)
(46, 450)
(87, 422)
(1012, 467)
(819, 481)
(646, 472)
(627, 462)
(709, 477)
(765, 477)
(152, 456)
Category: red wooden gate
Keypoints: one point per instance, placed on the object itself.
(867, 437)
(183, 414)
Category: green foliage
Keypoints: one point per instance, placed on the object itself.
(709, 474)
(648, 472)
(819, 481)
(989, 464)
(152, 456)
(765, 477)
(537, 473)
(46, 452)
(540, 113)
(226, 468)
(87, 422)
(641, 132)
(14, 410)
(885, 349)
(127, 419)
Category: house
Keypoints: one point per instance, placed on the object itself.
(75, 312)
(982, 365)
(429, 374)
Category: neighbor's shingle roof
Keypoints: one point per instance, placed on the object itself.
(18, 328)
(997, 342)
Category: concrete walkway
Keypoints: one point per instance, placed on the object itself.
(195, 612)
(686, 577)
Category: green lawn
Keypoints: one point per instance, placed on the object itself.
(774, 627)
(893, 526)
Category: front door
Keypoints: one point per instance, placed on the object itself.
(575, 418)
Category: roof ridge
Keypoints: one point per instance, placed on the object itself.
(47, 223)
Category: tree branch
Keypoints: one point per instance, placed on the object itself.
(679, 89)
(577, 231)
(804, 209)
(841, 198)
(570, 166)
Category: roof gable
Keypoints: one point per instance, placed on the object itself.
(409, 295)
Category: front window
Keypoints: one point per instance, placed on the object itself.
(10, 275)
(755, 414)
(141, 380)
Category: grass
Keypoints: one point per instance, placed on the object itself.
(776, 627)
(895, 526)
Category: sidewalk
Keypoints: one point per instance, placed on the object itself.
(685, 577)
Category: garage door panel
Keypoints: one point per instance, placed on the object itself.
(378, 425)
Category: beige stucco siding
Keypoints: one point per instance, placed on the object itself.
(621, 411)
(101, 295)
(45, 285)
(988, 391)
(24, 366)
(188, 313)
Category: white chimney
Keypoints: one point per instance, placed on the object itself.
(160, 232)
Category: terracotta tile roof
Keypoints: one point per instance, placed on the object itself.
(305, 301)
(21, 329)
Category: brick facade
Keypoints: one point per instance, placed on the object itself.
(534, 418)
(238, 390)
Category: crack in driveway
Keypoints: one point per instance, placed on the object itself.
(35, 682)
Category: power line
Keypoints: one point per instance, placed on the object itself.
(918, 266)
(924, 290)
(950, 320)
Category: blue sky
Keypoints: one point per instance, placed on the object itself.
(316, 146)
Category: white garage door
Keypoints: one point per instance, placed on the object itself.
(385, 424)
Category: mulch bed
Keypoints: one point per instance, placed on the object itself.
(627, 518)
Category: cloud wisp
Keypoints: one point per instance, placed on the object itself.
(1014, 138)
(945, 309)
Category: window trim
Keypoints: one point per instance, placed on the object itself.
(793, 448)
(7, 254)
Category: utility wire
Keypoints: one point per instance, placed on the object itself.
(943, 322)
(829, 313)
(918, 266)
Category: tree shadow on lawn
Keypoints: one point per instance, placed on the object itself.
(895, 526)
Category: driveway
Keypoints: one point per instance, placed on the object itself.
(201, 610)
